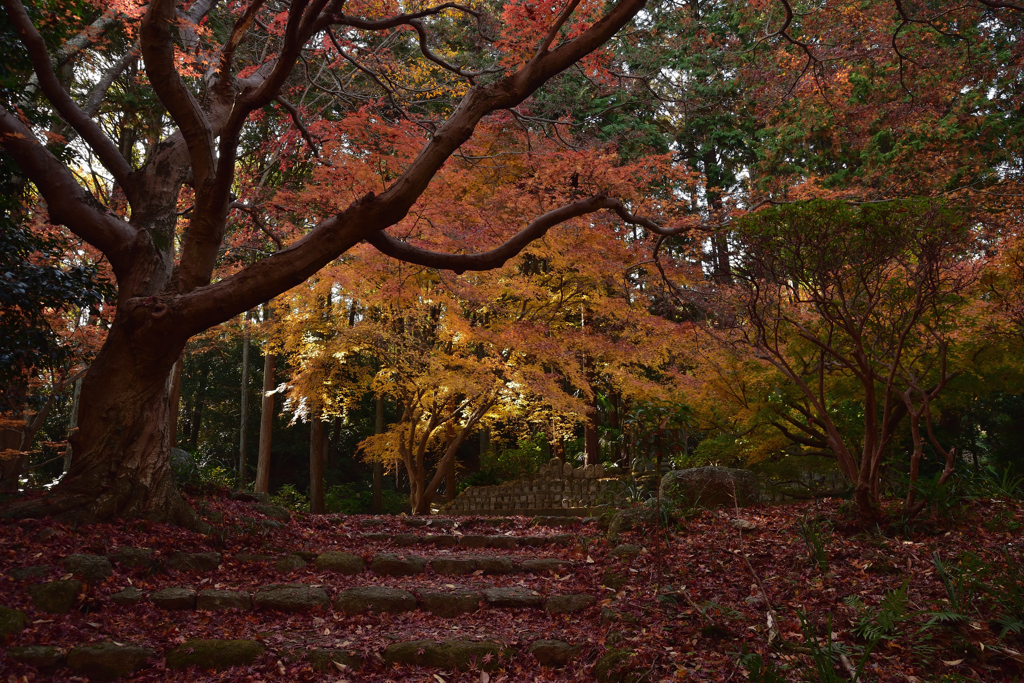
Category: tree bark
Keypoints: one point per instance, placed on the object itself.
(317, 452)
(378, 467)
(244, 408)
(175, 400)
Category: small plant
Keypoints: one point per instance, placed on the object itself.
(880, 623)
(815, 532)
(825, 653)
(959, 582)
(759, 670)
(290, 497)
(1007, 591)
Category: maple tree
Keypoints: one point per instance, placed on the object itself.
(211, 89)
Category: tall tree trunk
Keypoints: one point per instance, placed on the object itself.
(73, 422)
(195, 422)
(266, 416)
(317, 453)
(591, 442)
(378, 467)
(243, 422)
(449, 476)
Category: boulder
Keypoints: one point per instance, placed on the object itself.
(277, 512)
(449, 654)
(194, 562)
(325, 660)
(625, 551)
(295, 597)
(452, 604)
(46, 658)
(513, 597)
(216, 599)
(554, 653)
(183, 466)
(564, 604)
(105, 661)
(88, 568)
(343, 563)
(389, 564)
(11, 621)
(374, 598)
(127, 597)
(174, 598)
(214, 654)
(29, 573)
(710, 487)
(133, 557)
(289, 563)
(55, 597)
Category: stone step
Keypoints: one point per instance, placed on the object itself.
(110, 659)
(296, 597)
(472, 541)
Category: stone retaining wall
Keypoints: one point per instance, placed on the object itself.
(556, 486)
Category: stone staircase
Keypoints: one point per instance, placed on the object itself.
(316, 598)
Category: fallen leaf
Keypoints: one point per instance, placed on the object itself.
(952, 662)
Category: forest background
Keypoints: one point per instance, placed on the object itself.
(810, 254)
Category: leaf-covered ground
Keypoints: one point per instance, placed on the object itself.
(703, 600)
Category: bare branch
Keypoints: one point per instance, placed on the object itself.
(570, 7)
(297, 120)
(93, 135)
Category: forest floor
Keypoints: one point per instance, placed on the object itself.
(769, 593)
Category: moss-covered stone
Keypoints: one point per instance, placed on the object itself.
(29, 573)
(174, 598)
(11, 621)
(564, 604)
(289, 563)
(277, 512)
(542, 565)
(390, 564)
(449, 654)
(194, 562)
(43, 657)
(554, 652)
(333, 661)
(613, 579)
(128, 596)
(375, 598)
(55, 597)
(614, 667)
(105, 661)
(513, 597)
(343, 563)
(217, 599)
(133, 557)
(451, 604)
(214, 654)
(89, 568)
(710, 487)
(295, 597)
(625, 551)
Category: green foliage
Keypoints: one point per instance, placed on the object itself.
(824, 652)
(497, 466)
(208, 478)
(816, 531)
(1007, 591)
(880, 623)
(290, 497)
(960, 584)
(354, 499)
(758, 669)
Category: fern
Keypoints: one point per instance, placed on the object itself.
(891, 611)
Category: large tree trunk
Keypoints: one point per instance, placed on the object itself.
(121, 452)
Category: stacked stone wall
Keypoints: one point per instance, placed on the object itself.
(555, 486)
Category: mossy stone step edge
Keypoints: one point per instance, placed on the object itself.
(109, 660)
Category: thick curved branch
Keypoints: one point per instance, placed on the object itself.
(391, 22)
(429, 54)
(158, 53)
(495, 258)
(93, 135)
(68, 203)
(99, 91)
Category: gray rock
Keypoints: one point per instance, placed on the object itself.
(743, 524)
(11, 621)
(503, 542)
(475, 542)
(343, 563)
(494, 565)
(625, 550)
(183, 466)
(214, 654)
(248, 557)
(29, 573)
(456, 566)
(277, 512)
(46, 658)
(405, 540)
(127, 597)
(451, 604)
(450, 654)
(374, 598)
(389, 564)
(45, 534)
(133, 557)
(415, 522)
(174, 598)
(216, 599)
(89, 568)
(710, 487)
(614, 580)
(614, 667)
(554, 653)
(194, 562)
(533, 541)
(105, 661)
(295, 597)
(325, 660)
(289, 563)
(376, 536)
(632, 518)
(561, 539)
(441, 540)
(55, 597)
(541, 565)
(513, 597)
(564, 604)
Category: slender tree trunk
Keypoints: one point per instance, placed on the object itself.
(73, 423)
(317, 449)
(266, 417)
(243, 422)
(378, 467)
(449, 477)
(195, 423)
